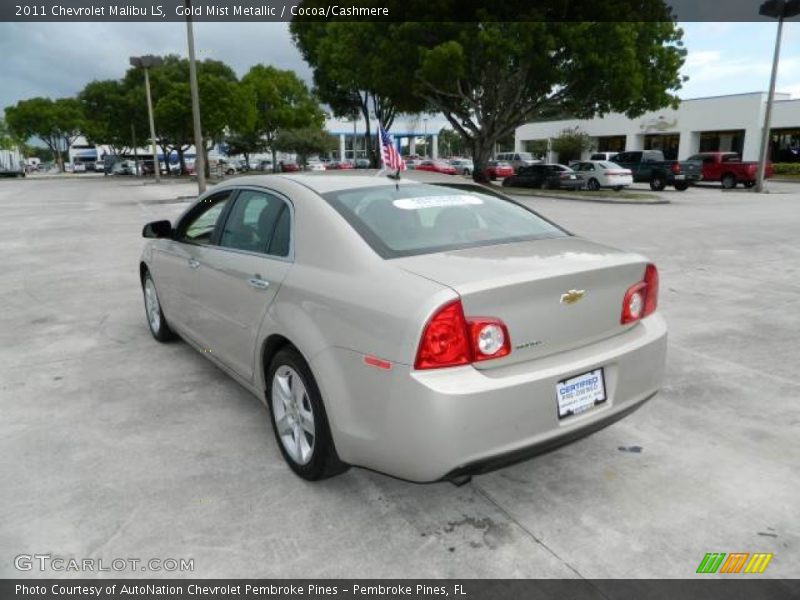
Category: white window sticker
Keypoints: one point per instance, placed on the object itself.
(436, 201)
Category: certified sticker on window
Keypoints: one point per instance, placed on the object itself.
(436, 201)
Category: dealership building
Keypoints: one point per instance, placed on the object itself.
(719, 123)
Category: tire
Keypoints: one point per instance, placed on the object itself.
(617, 188)
(749, 184)
(508, 182)
(593, 185)
(658, 183)
(467, 172)
(156, 320)
(303, 436)
(728, 181)
(681, 186)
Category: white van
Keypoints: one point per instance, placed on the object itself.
(517, 159)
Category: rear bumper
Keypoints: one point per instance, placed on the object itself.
(619, 181)
(491, 463)
(428, 425)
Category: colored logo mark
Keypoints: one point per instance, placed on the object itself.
(735, 562)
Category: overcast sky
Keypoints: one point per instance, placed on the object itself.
(58, 59)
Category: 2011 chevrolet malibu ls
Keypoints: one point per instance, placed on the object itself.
(420, 330)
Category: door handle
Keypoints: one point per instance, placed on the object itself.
(194, 263)
(257, 283)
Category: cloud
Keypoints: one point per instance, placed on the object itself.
(59, 59)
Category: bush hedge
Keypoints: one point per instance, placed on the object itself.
(786, 168)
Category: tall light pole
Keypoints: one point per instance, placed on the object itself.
(425, 124)
(146, 62)
(199, 158)
(777, 9)
(353, 145)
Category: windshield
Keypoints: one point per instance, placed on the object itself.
(421, 219)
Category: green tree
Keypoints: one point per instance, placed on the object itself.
(305, 142)
(488, 77)
(55, 122)
(281, 101)
(173, 116)
(451, 143)
(110, 110)
(7, 141)
(224, 103)
(356, 68)
(570, 144)
(245, 143)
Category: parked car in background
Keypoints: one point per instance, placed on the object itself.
(498, 170)
(597, 174)
(649, 166)
(517, 159)
(342, 165)
(412, 160)
(79, 167)
(125, 167)
(545, 176)
(729, 169)
(362, 163)
(263, 165)
(315, 165)
(599, 156)
(465, 332)
(147, 167)
(285, 166)
(227, 167)
(436, 166)
(463, 166)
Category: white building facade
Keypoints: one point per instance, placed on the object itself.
(719, 123)
(413, 135)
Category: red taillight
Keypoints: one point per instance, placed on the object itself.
(450, 339)
(641, 299)
(444, 341)
(676, 168)
(651, 280)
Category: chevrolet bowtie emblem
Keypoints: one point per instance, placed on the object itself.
(572, 296)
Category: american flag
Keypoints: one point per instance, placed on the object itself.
(389, 155)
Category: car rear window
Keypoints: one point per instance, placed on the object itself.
(408, 220)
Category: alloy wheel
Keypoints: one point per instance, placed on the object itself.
(294, 415)
(152, 307)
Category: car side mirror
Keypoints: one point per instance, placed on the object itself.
(157, 229)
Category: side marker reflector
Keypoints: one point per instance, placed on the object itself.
(379, 363)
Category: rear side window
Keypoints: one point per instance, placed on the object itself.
(422, 219)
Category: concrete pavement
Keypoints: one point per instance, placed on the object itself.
(112, 445)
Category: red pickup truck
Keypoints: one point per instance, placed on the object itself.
(728, 168)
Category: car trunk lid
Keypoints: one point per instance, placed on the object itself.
(553, 294)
